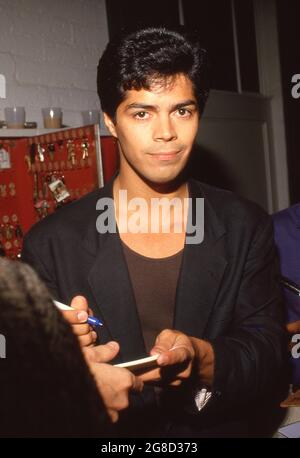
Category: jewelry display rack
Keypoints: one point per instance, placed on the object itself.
(42, 170)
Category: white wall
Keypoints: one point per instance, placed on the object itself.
(234, 145)
(271, 86)
(49, 52)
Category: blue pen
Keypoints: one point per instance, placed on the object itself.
(91, 320)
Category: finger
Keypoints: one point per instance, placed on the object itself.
(176, 383)
(105, 353)
(86, 340)
(164, 379)
(164, 341)
(151, 376)
(81, 329)
(94, 335)
(113, 414)
(175, 355)
(137, 384)
(121, 401)
(293, 327)
(75, 316)
(79, 303)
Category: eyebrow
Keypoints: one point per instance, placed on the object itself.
(177, 106)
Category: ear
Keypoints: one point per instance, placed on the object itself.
(110, 125)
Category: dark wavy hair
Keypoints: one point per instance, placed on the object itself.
(136, 60)
(46, 388)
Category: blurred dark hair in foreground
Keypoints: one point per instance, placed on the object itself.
(46, 388)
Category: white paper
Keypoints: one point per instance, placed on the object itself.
(292, 430)
(140, 363)
(62, 306)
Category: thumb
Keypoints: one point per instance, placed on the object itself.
(105, 353)
(137, 384)
(79, 303)
(176, 355)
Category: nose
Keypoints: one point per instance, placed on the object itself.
(164, 129)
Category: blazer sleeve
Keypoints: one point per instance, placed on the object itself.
(32, 254)
(251, 359)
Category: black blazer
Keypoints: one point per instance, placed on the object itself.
(227, 293)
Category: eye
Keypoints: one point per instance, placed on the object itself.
(141, 115)
(184, 112)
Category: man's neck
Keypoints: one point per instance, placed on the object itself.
(167, 236)
(138, 187)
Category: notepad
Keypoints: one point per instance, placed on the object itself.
(292, 430)
(150, 362)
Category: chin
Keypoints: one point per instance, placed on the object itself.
(163, 180)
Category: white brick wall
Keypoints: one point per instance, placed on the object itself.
(49, 52)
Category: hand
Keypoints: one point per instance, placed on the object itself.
(101, 353)
(179, 355)
(77, 318)
(294, 327)
(176, 358)
(114, 383)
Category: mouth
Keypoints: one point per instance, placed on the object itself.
(165, 156)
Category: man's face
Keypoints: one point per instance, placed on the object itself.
(156, 129)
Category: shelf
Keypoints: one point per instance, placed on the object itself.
(18, 133)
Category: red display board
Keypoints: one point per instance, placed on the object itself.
(41, 173)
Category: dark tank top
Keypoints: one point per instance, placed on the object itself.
(154, 283)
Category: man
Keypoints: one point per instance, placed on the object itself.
(210, 308)
(287, 238)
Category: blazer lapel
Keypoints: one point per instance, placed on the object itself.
(203, 266)
(111, 287)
